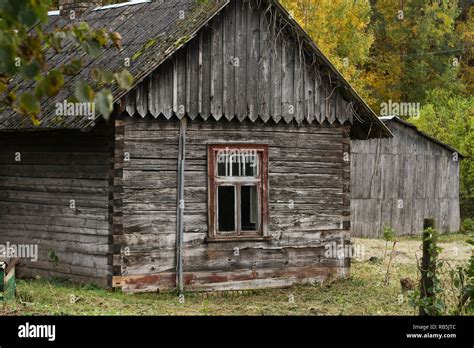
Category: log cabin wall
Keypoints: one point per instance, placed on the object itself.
(398, 182)
(243, 78)
(308, 203)
(35, 201)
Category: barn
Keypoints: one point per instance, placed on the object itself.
(226, 166)
(398, 182)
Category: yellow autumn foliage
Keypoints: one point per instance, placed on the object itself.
(340, 30)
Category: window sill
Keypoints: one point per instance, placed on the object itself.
(239, 239)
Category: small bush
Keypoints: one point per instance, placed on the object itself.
(467, 226)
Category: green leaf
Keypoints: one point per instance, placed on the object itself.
(92, 48)
(104, 103)
(102, 77)
(29, 104)
(55, 40)
(28, 17)
(7, 61)
(101, 36)
(53, 82)
(29, 71)
(3, 87)
(41, 9)
(73, 68)
(81, 29)
(124, 79)
(53, 258)
(83, 92)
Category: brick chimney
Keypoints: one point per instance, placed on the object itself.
(78, 6)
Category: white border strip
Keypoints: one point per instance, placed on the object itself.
(129, 3)
(132, 2)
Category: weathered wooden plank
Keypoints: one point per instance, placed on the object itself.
(68, 268)
(58, 198)
(309, 96)
(192, 75)
(181, 81)
(264, 78)
(142, 100)
(341, 111)
(317, 94)
(228, 41)
(53, 185)
(288, 79)
(223, 261)
(130, 102)
(55, 171)
(54, 158)
(322, 115)
(152, 99)
(299, 82)
(241, 59)
(331, 103)
(253, 58)
(45, 271)
(217, 68)
(195, 151)
(276, 77)
(237, 279)
(205, 53)
(167, 93)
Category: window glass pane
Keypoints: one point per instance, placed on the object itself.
(235, 160)
(226, 208)
(237, 163)
(250, 165)
(222, 164)
(249, 208)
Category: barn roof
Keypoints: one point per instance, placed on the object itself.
(139, 23)
(387, 119)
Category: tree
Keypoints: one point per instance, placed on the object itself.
(24, 50)
(465, 30)
(450, 118)
(340, 28)
(416, 50)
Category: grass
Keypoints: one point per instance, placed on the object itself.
(443, 238)
(363, 293)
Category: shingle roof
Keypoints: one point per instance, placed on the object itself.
(137, 23)
(386, 119)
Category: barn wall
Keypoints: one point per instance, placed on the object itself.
(400, 181)
(35, 195)
(243, 64)
(306, 166)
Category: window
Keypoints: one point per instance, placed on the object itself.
(238, 191)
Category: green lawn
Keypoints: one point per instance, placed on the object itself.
(363, 293)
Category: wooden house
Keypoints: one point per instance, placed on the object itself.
(227, 166)
(398, 182)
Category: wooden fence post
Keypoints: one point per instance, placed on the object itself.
(428, 265)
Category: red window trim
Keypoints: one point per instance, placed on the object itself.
(212, 186)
